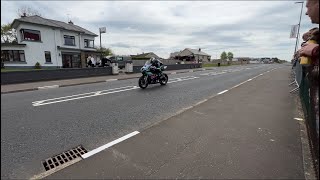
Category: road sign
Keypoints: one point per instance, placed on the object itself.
(103, 30)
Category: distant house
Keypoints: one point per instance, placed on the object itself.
(50, 42)
(191, 55)
(144, 56)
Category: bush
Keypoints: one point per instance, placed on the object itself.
(37, 66)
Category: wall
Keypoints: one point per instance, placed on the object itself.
(164, 61)
(45, 75)
(136, 69)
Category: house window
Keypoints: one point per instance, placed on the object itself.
(47, 55)
(88, 43)
(30, 35)
(13, 55)
(69, 40)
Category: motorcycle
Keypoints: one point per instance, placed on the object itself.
(150, 78)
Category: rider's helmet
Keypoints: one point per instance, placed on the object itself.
(152, 60)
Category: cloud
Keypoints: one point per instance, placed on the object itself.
(247, 28)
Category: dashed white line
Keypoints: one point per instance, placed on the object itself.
(200, 102)
(223, 92)
(101, 148)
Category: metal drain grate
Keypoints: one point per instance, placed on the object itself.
(58, 160)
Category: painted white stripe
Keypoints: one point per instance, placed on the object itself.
(200, 102)
(249, 80)
(223, 92)
(108, 80)
(48, 87)
(80, 94)
(101, 148)
(98, 93)
(174, 73)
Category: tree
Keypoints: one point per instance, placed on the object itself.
(105, 51)
(223, 55)
(7, 33)
(27, 11)
(230, 56)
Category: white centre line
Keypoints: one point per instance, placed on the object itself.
(101, 148)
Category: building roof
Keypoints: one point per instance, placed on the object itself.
(145, 55)
(52, 23)
(174, 54)
(197, 52)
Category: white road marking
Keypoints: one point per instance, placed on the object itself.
(182, 79)
(190, 70)
(101, 148)
(99, 93)
(174, 73)
(200, 102)
(108, 80)
(249, 80)
(223, 92)
(78, 96)
(48, 87)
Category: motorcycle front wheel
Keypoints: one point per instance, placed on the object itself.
(164, 79)
(143, 82)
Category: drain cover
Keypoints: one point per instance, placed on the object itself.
(58, 160)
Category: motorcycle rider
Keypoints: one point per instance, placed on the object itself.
(155, 66)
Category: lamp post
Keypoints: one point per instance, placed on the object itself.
(300, 2)
(102, 30)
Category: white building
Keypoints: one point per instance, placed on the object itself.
(51, 43)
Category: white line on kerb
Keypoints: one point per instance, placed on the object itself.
(101, 148)
(48, 87)
(222, 92)
(108, 80)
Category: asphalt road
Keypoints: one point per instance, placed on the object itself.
(34, 126)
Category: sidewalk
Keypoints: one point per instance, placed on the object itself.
(78, 81)
(248, 132)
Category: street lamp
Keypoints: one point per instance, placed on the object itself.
(300, 2)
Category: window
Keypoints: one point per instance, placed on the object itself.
(88, 43)
(30, 35)
(13, 55)
(69, 40)
(47, 55)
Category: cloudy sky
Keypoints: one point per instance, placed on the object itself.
(246, 28)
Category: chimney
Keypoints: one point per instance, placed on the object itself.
(24, 15)
(70, 22)
(199, 49)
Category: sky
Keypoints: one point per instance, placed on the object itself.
(245, 28)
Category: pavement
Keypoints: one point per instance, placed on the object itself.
(21, 87)
(247, 132)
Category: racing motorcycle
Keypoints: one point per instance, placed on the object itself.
(148, 77)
